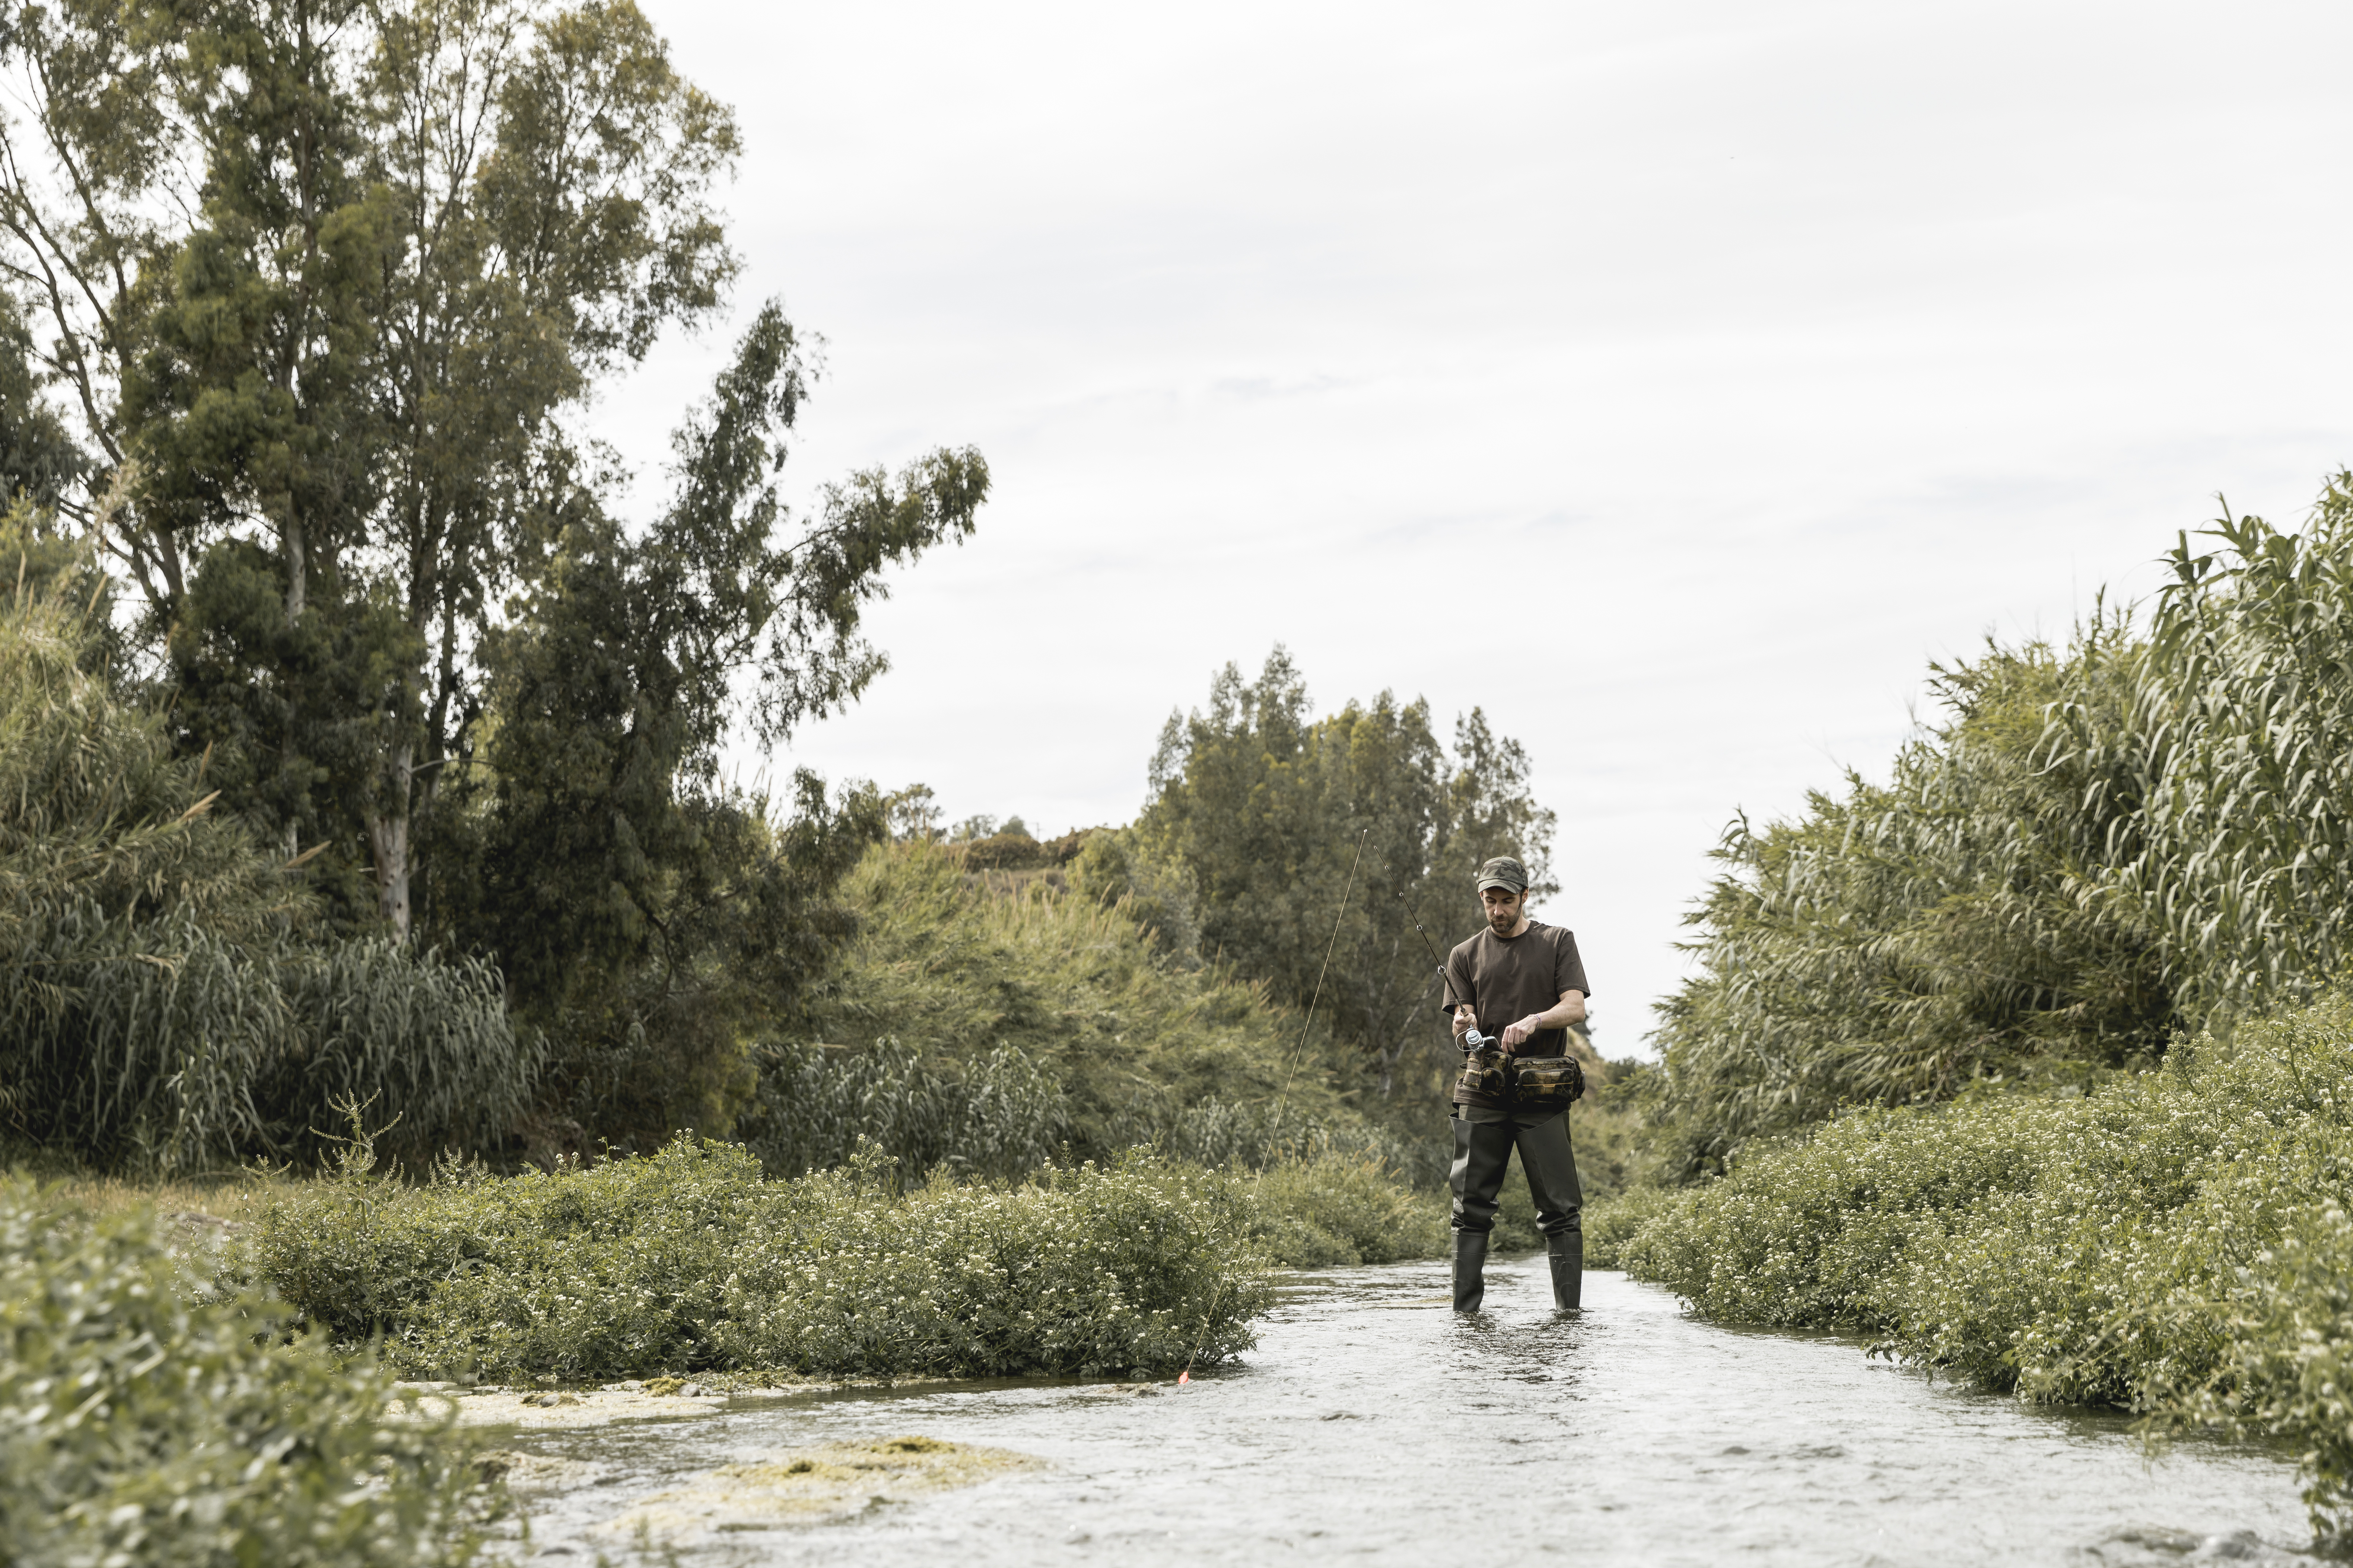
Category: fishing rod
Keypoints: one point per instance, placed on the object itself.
(1473, 1040)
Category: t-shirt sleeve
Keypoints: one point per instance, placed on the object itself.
(1459, 988)
(1567, 968)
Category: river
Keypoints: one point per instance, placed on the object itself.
(1372, 1426)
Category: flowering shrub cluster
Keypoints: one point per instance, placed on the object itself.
(147, 1416)
(2175, 1242)
(689, 1260)
(1342, 1209)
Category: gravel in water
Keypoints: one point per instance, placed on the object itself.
(1373, 1425)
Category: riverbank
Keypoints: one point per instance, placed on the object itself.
(2174, 1244)
(166, 1340)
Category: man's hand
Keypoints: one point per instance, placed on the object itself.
(1466, 1018)
(1567, 1013)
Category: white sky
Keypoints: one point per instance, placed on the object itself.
(1674, 380)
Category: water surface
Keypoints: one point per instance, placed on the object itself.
(1373, 1425)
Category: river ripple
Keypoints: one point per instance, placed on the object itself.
(1372, 1426)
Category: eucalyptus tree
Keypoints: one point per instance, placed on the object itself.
(319, 279)
(1286, 828)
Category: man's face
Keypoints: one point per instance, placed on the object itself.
(1502, 907)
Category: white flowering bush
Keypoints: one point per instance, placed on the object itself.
(688, 1259)
(149, 1417)
(2175, 1242)
(1129, 1268)
(1807, 1234)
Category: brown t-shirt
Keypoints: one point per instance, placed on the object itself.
(1507, 978)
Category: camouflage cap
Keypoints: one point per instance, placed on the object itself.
(1504, 871)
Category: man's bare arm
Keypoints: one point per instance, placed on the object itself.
(1564, 1014)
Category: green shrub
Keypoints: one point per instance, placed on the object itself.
(2093, 846)
(604, 1271)
(1344, 1210)
(1132, 1268)
(1614, 1221)
(1807, 1234)
(2174, 1242)
(688, 1259)
(977, 1029)
(146, 1418)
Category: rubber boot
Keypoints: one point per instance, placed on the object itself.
(1565, 1252)
(1469, 1269)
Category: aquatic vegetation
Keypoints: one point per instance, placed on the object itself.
(2174, 1242)
(148, 1417)
(688, 1259)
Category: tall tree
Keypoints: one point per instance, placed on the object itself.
(643, 909)
(319, 279)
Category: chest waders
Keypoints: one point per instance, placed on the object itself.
(1541, 1087)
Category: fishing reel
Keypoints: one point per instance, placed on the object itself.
(1475, 1041)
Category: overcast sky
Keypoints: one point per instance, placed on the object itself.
(1673, 381)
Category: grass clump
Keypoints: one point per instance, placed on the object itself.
(690, 1259)
(2176, 1243)
(150, 1418)
(168, 1004)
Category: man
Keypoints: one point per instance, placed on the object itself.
(1521, 981)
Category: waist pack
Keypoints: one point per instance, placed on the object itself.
(1524, 1083)
(1546, 1083)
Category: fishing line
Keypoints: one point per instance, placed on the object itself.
(1297, 1051)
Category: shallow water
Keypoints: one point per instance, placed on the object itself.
(1371, 1425)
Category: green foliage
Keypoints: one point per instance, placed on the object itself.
(320, 278)
(2175, 1242)
(160, 1007)
(688, 1259)
(2231, 763)
(1612, 1222)
(1900, 941)
(37, 456)
(1257, 818)
(318, 287)
(1344, 1209)
(2093, 847)
(967, 1026)
(996, 1114)
(651, 919)
(151, 1419)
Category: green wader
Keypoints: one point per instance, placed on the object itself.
(1483, 1153)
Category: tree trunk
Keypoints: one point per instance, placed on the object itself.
(297, 572)
(388, 838)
